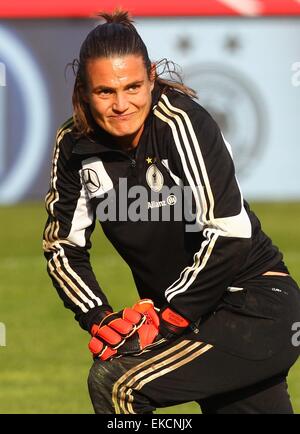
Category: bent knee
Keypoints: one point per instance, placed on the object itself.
(100, 384)
(111, 389)
(99, 374)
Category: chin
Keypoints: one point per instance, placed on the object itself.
(125, 132)
(120, 134)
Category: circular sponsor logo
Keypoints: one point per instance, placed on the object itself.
(91, 180)
(237, 106)
(154, 178)
(171, 200)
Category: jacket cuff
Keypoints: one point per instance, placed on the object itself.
(93, 316)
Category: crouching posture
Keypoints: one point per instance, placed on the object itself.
(217, 303)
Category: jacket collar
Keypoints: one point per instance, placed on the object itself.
(87, 146)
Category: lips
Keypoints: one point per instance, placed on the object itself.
(122, 117)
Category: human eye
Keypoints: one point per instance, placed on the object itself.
(134, 88)
(104, 93)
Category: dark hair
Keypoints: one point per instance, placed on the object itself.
(116, 37)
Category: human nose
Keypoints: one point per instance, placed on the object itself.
(120, 103)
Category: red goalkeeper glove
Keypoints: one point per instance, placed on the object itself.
(113, 331)
(146, 330)
(156, 330)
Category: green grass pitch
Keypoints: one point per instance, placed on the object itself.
(44, 365)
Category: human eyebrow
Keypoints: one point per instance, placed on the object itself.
(102, 89)
(108, 89)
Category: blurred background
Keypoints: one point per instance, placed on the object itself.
(242, 57)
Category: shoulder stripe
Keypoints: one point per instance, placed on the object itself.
(197, 190)
(196, 146)
(180, 125)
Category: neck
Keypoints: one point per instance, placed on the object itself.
(127, 143)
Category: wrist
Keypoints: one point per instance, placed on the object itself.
(98, 321)
(93, 316)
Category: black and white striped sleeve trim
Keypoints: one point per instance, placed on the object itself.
(68, 280)
(71, 283)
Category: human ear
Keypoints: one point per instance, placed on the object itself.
(84, 95)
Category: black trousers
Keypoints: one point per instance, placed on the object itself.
(237, 368)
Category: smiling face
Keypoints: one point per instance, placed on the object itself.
(119, 96)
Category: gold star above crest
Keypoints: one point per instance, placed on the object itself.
(149, 160)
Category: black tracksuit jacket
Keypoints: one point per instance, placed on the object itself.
(182, 148)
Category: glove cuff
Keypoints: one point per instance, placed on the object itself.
(172, 324)
(97, 318)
